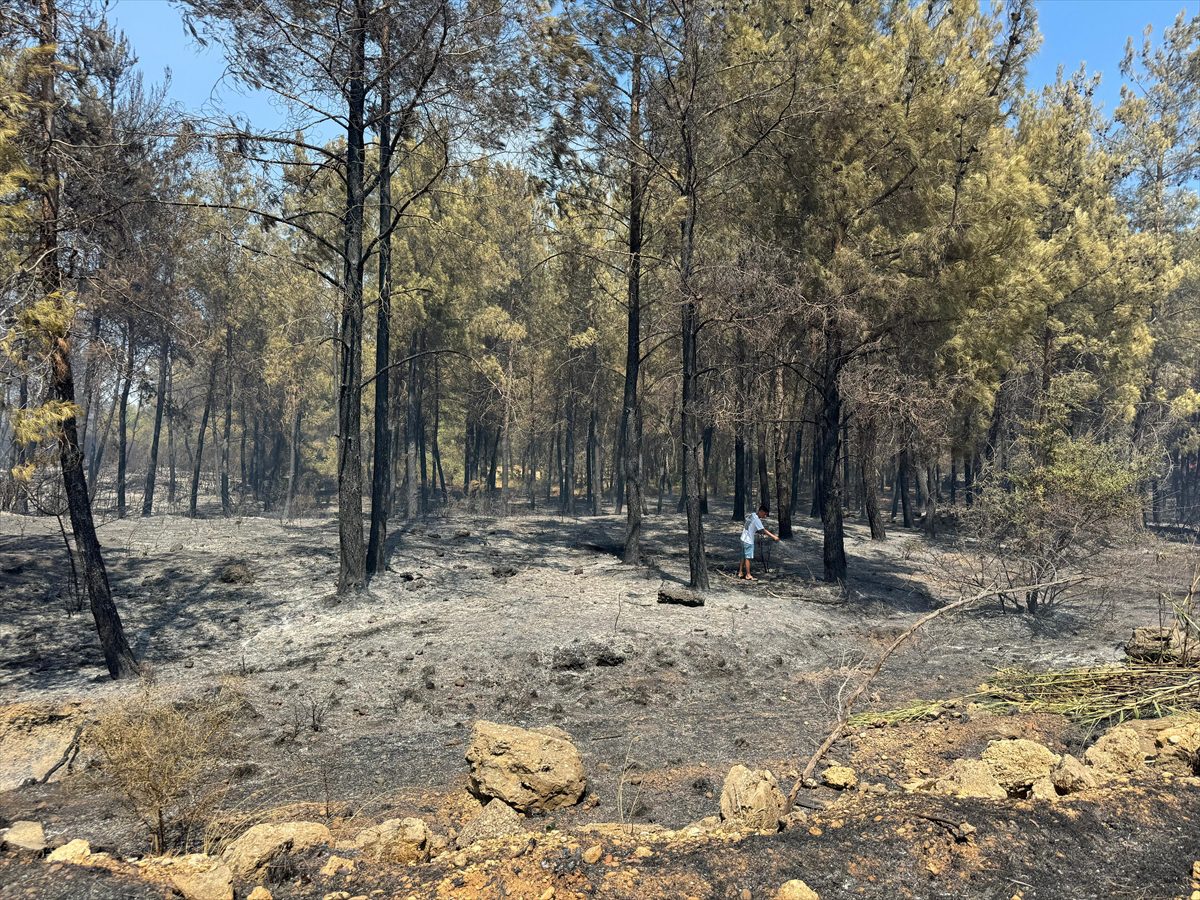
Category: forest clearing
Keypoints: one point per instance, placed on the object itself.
(651, 449)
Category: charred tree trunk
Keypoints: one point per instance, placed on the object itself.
(123, 424)
(783, 497)
(352, 556)
(160, 402)
(226, 502)
(381, 469)
(199, 461)
(118, 655)
(289, 496)
(868, 460)
(830, 422)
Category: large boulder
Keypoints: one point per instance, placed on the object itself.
(264, 847)
(403, 841)
(496, 820)
(532, 771)
(1020, 764)
(970, 778)
(1118, 752)
(753, 798)
(196, 876)
(1159, 644)
(26, 836)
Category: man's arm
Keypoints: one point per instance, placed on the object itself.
(768, 534)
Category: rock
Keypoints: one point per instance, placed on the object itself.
(76, 852)
(26, 836)
(503, 571)
(970, 778)
(752, 797)
(1118, 752)
(1043, 789)
(263, 847)
(1070, 776)
(840, 777)
(33, 738)
(642, 852)
(795, 890)
(259, 893)
(498, 820)
(592, 854)
(1017, 764)
(680, 596)
(336, 865)
(403, 841)
(236, 572)
(196, 876)
(1180, 740)
(532, 771)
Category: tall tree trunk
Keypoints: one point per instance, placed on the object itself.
(226, 502)
(568, 454)
(902, 486)
(199, 460)
(797, 468)
(764, 475)
(412, 430)
(118, 655)
(381, 468)
(160, 403)
(834, 548)
(783, 485)
(20, 449)
(172, 482)
(352, 557)
(931, 503)
(289, 496)
(123, 424)
(868, 460)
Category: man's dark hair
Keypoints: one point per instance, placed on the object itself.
(764, 508)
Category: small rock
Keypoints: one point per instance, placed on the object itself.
(592, 854)
(642, 852)
(680, 596)
(259, 893)
(236, 572)
(752, 797)
(253, 854)
(403, 841)
(76, 852)
(336, 865)
(1071, 776)
(969, 778)
(1118, 752)
(1180, 740)
(795, 890)
(195, 876)
(25, 836)
(503, 571)
(497, 820)
(1017, 764)
(840, 777)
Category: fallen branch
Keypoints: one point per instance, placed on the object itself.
(68, 755)
(847, 705)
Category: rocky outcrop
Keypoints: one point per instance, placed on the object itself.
(537, 770)
(263, 847)
(753, 798)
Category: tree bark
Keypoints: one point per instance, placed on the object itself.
(160, 402)
(199, 460)
(226, 502)
(118, 655)
(352, 557)
(289, 496)
(868, 459)
(833, 554)
(783, 496)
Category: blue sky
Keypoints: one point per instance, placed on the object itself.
(1074, 31)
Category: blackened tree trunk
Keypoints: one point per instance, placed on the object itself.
(567, 498)
(20, 451)
(381, 468)
(199, 460)
(172, 484)
(123, 423)
(412, 430)
(593, 465)
(632, 484)
(797, 469)
(833, 554)
(160, 403)
(352, 556)
(118, 656)
(764, 476)
(868, 460)
(226, 502)
(739, 475)
(902, 486)
(931, 502)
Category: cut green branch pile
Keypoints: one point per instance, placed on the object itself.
(1089, 696)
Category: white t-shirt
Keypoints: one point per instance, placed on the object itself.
(753, 526)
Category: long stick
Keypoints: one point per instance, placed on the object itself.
(848, 704)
